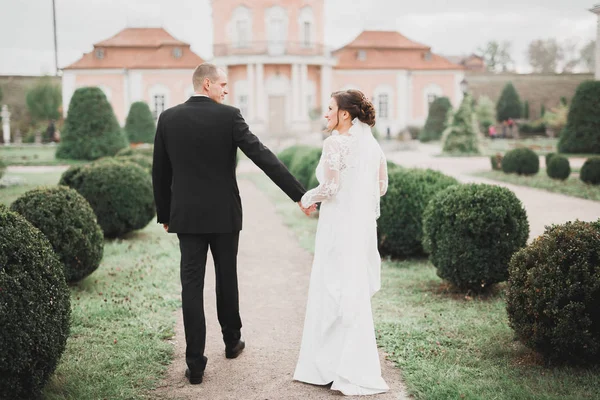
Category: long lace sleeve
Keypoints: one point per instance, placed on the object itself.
(330, 160)
(383, 175)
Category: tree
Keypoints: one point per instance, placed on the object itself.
(526, 109)
(461, 134)
(436, 120)
(588, 56)
(545, 55)
(44, 100)
(497, 56)
(484, 110)
(1, 94)
(570, 56)
(582, 132)
(140, 126)
(509, 104)
(91, 129)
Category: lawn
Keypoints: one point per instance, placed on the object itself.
(32, 155)
(448, 345)
(122, 314)
(573, 186)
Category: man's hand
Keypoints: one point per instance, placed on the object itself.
(166, 226)
(308, 210)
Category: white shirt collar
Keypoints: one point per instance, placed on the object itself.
(199, 95)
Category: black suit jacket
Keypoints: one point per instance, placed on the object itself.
(193, 173)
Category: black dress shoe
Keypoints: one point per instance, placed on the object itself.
(233, 352)
(195, 379)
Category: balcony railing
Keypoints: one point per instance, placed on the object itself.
(271, 48)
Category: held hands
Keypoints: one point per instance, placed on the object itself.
(166, 226)
(308, 210)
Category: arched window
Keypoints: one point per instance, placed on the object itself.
(240, 27)
(276, 20)
(306, 24)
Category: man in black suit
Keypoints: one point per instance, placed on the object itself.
(197, 197)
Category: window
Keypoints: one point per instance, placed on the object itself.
(177, 52)
(431, 98)
(243, 104)
(361, 55)
(383, 106)
(99, 54)
(159, 104)
(242, 33)
(427, 56)
(307, 41)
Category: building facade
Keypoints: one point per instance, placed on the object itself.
(281, 73)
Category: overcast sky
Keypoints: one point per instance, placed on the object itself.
(449, 26)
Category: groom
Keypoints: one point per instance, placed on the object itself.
(197, 197)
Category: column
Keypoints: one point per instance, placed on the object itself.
(303, 92)
(326, 72)
(68, 87)
(295, 92)
(5, 124)
(251, 92)
(261, 108)
(409, 91)
(126, 92)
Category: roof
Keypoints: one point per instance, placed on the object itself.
(384, 40)
(139, 48)
(390, 50)
(141, 37)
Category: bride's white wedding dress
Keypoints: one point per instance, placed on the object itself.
(338, 343)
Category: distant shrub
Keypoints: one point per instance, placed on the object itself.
(559, 168)
(521, 161)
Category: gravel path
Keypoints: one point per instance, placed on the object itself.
(273, 275)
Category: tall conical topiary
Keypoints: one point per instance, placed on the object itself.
(91, 129)
(509, 104)
(461, 134)
(437, 120)
(140, 126)
(582, 132)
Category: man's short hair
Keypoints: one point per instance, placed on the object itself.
(203, 71)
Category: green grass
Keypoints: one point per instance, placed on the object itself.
(573, 186)
(448, 345)
(32, 155)
(122, 314)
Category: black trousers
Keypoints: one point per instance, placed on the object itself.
(194, 249)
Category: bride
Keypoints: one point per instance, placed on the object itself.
(338, 343)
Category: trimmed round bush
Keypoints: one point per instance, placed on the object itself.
(120, 193)
(69, 223)
(139, 125)
(548, 157)
(437, 119)
(143, 161)
(134, 151)
(590, 171)
(288, 155)
(582, 132)
(521, 161)
(472, 231)
(553, 293)
(34, 308)
(558, 168)
(496, 162)
(400, 228)
(91, 129)
(305, 163)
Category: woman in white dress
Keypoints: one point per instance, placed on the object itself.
(338, 343)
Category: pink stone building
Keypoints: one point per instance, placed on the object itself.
(281, 74)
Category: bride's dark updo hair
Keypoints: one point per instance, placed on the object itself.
(357, 105)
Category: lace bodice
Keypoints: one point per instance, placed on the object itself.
(335, 160)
